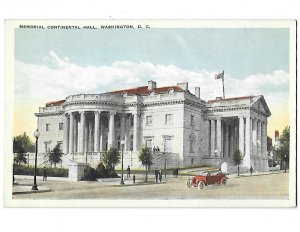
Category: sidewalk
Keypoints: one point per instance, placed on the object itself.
(248, 174)
(26, 189)
(41, 178)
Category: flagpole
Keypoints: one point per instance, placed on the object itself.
(223, 85)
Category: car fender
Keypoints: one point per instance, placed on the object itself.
(203, 182)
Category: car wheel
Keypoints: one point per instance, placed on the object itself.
(189, 183)
(224, 182)
(201, 185)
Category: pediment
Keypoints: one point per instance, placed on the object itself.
(260, 105)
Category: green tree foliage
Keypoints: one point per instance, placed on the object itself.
(111, 158)
(55, 155)
(20, 158)
(283, 152)
(237, 159)
(22, 143)
(146, 159)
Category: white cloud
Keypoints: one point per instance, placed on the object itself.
(65, 78)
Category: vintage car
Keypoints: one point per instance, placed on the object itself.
(207, 178)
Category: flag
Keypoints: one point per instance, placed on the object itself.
(219, 76)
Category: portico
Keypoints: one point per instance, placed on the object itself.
(96, 131)
(239, 128)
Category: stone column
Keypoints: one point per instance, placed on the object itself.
(71, 136)
(259, 138)
(264, 139)
(212, 137)
(82, 132)
(90, 129)
(254, 136)
(75, 134)
(246, 160)
(122, 126)
(66, 134)
(241, 135)
(135, 132)
(111, 133)
(226, 141)
(86, 134)
(97, 131)
(219, 137)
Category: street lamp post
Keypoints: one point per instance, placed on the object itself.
(285, 163)
(122, 146)
(36, 135)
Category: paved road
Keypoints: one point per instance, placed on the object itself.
(270, 186)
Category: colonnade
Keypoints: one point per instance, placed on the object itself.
(96, 131)
(246, 133)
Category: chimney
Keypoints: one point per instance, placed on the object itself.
(184, 86)
(151, 85)
(276, 134)
(197, 92)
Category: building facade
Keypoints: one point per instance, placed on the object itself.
(186, 129)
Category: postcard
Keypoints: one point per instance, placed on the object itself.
(150, 113)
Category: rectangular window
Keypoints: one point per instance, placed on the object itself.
(60, 126)
(47, 146)
(149, 143)
(148, 120)
(47, 127)
(168, 145)
(191, 146)
(192, 120)
(169, 119)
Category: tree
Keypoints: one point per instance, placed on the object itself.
(20, 158)
(237, 159)
(55, 155)
(111, 158)
(146, 159)
(24, 143)
(283, 152)
(21, 145)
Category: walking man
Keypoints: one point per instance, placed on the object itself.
(160, 176)
(156, 174)
(251, 170)
(128, 172)
(44, 174)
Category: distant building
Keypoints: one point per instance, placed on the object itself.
(276, 140)
(187, 129)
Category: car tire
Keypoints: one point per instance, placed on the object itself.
(224, 182)
(189, 183)
(201, 185)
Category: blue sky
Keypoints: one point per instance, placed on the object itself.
(53, 64)
(240, 52)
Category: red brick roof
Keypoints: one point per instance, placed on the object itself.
(230, 99)
(143, 90)
(55, 103)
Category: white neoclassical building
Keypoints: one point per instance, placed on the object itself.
(187, 129)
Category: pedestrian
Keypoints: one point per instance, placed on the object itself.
(251, 170)
(133, 179)
(128, 172)
(156, 174)
(44, 174)
(160, 176)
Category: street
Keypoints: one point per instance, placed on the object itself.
(264, 186)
